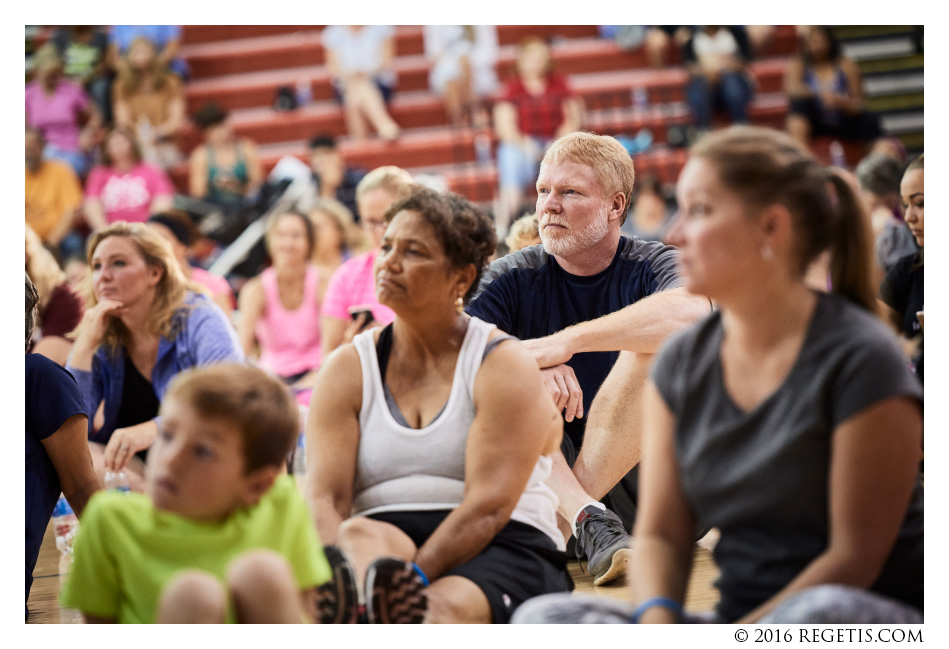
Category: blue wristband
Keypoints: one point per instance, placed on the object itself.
(420, 573)
(664, 602)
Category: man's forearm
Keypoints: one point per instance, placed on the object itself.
(639, 327)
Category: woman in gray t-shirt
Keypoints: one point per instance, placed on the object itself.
(788, 419)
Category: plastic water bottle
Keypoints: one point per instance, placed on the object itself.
(299, 457)
(116, 481)
(837, 157)
(641, 98)
(304, 92)
(482, 145)
(65, 524)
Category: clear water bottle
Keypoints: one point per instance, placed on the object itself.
(116, 481)
(482, 145)
(304, 92)
(299, 457)
(65, 524)
(837, 157)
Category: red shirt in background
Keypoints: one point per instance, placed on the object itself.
(538, 115)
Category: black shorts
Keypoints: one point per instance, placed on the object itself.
(521, 562)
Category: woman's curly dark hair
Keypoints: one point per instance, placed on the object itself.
(466, 233)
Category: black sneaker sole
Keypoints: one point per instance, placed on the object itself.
(394, 593)
(618, 566)
(336, 600)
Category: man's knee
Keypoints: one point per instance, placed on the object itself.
(192, 597)
(359, 530)
(454, 600)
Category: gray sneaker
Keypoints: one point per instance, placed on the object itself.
(603, 539)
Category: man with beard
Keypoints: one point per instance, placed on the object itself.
(593, 306)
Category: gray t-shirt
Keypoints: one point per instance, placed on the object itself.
(761, 477)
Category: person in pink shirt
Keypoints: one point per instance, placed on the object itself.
(59, 107)
(280, 308)
(352, 288)
(178, 228)
(124, 188)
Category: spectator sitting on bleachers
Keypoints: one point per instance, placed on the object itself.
(333, 177)
(123, 188)
(84, 50)
(535, 107)
(338, 238)
(463, 59)
(902, 288)
(649, 217)
(715, 57)
(352, 288)
(59, 107)
(826, 92)
(167, 40)
(879, 177)
(280, 308)
(53, 195)
(59, 307)
(149, 101)
(179, 230)
(359, 61)
(892, 146)
(142, 326)
(524, 232)
(659, 41)
(226, 169)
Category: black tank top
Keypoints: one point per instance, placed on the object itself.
(139, 403)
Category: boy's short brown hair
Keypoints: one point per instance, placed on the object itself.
(257, 404)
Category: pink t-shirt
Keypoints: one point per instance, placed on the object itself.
(214, 283)
(289, 340)
(128, 196)
(57, 115)
(353, 284)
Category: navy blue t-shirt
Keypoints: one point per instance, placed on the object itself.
(527, 294)
(52, 397)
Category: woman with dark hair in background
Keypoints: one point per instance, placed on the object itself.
(826, 92)
(179, 230)
(902, 288)
(434, 437)
(143, 324)
(226, 170)
(787, 419)
(280, 308)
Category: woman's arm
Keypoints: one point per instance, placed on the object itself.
(95, 214)
(794, 85)
(161, 203)
(250, 303)
(255, 172)
(572, 116)
(198, 173)
(332, 435)
(176, 115)
(665, 525)
(852, 102)
(505, 123)
(68, 449)
(515, 424)
(387, 54)
(873, 468)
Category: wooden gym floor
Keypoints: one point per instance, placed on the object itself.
(51, 570)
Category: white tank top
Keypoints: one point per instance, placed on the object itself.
(406, 469)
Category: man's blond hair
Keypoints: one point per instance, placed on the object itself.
(611, 163)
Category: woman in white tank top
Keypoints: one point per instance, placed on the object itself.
(430, 443)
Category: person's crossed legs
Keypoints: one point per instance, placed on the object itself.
(612, 446)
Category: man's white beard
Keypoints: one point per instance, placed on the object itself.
(576, 241)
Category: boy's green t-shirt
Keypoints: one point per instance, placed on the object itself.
(126, 551)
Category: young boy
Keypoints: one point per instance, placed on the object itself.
(219, 534)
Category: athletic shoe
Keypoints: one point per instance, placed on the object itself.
(604, 541)
(395, 593)
(336, 600)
